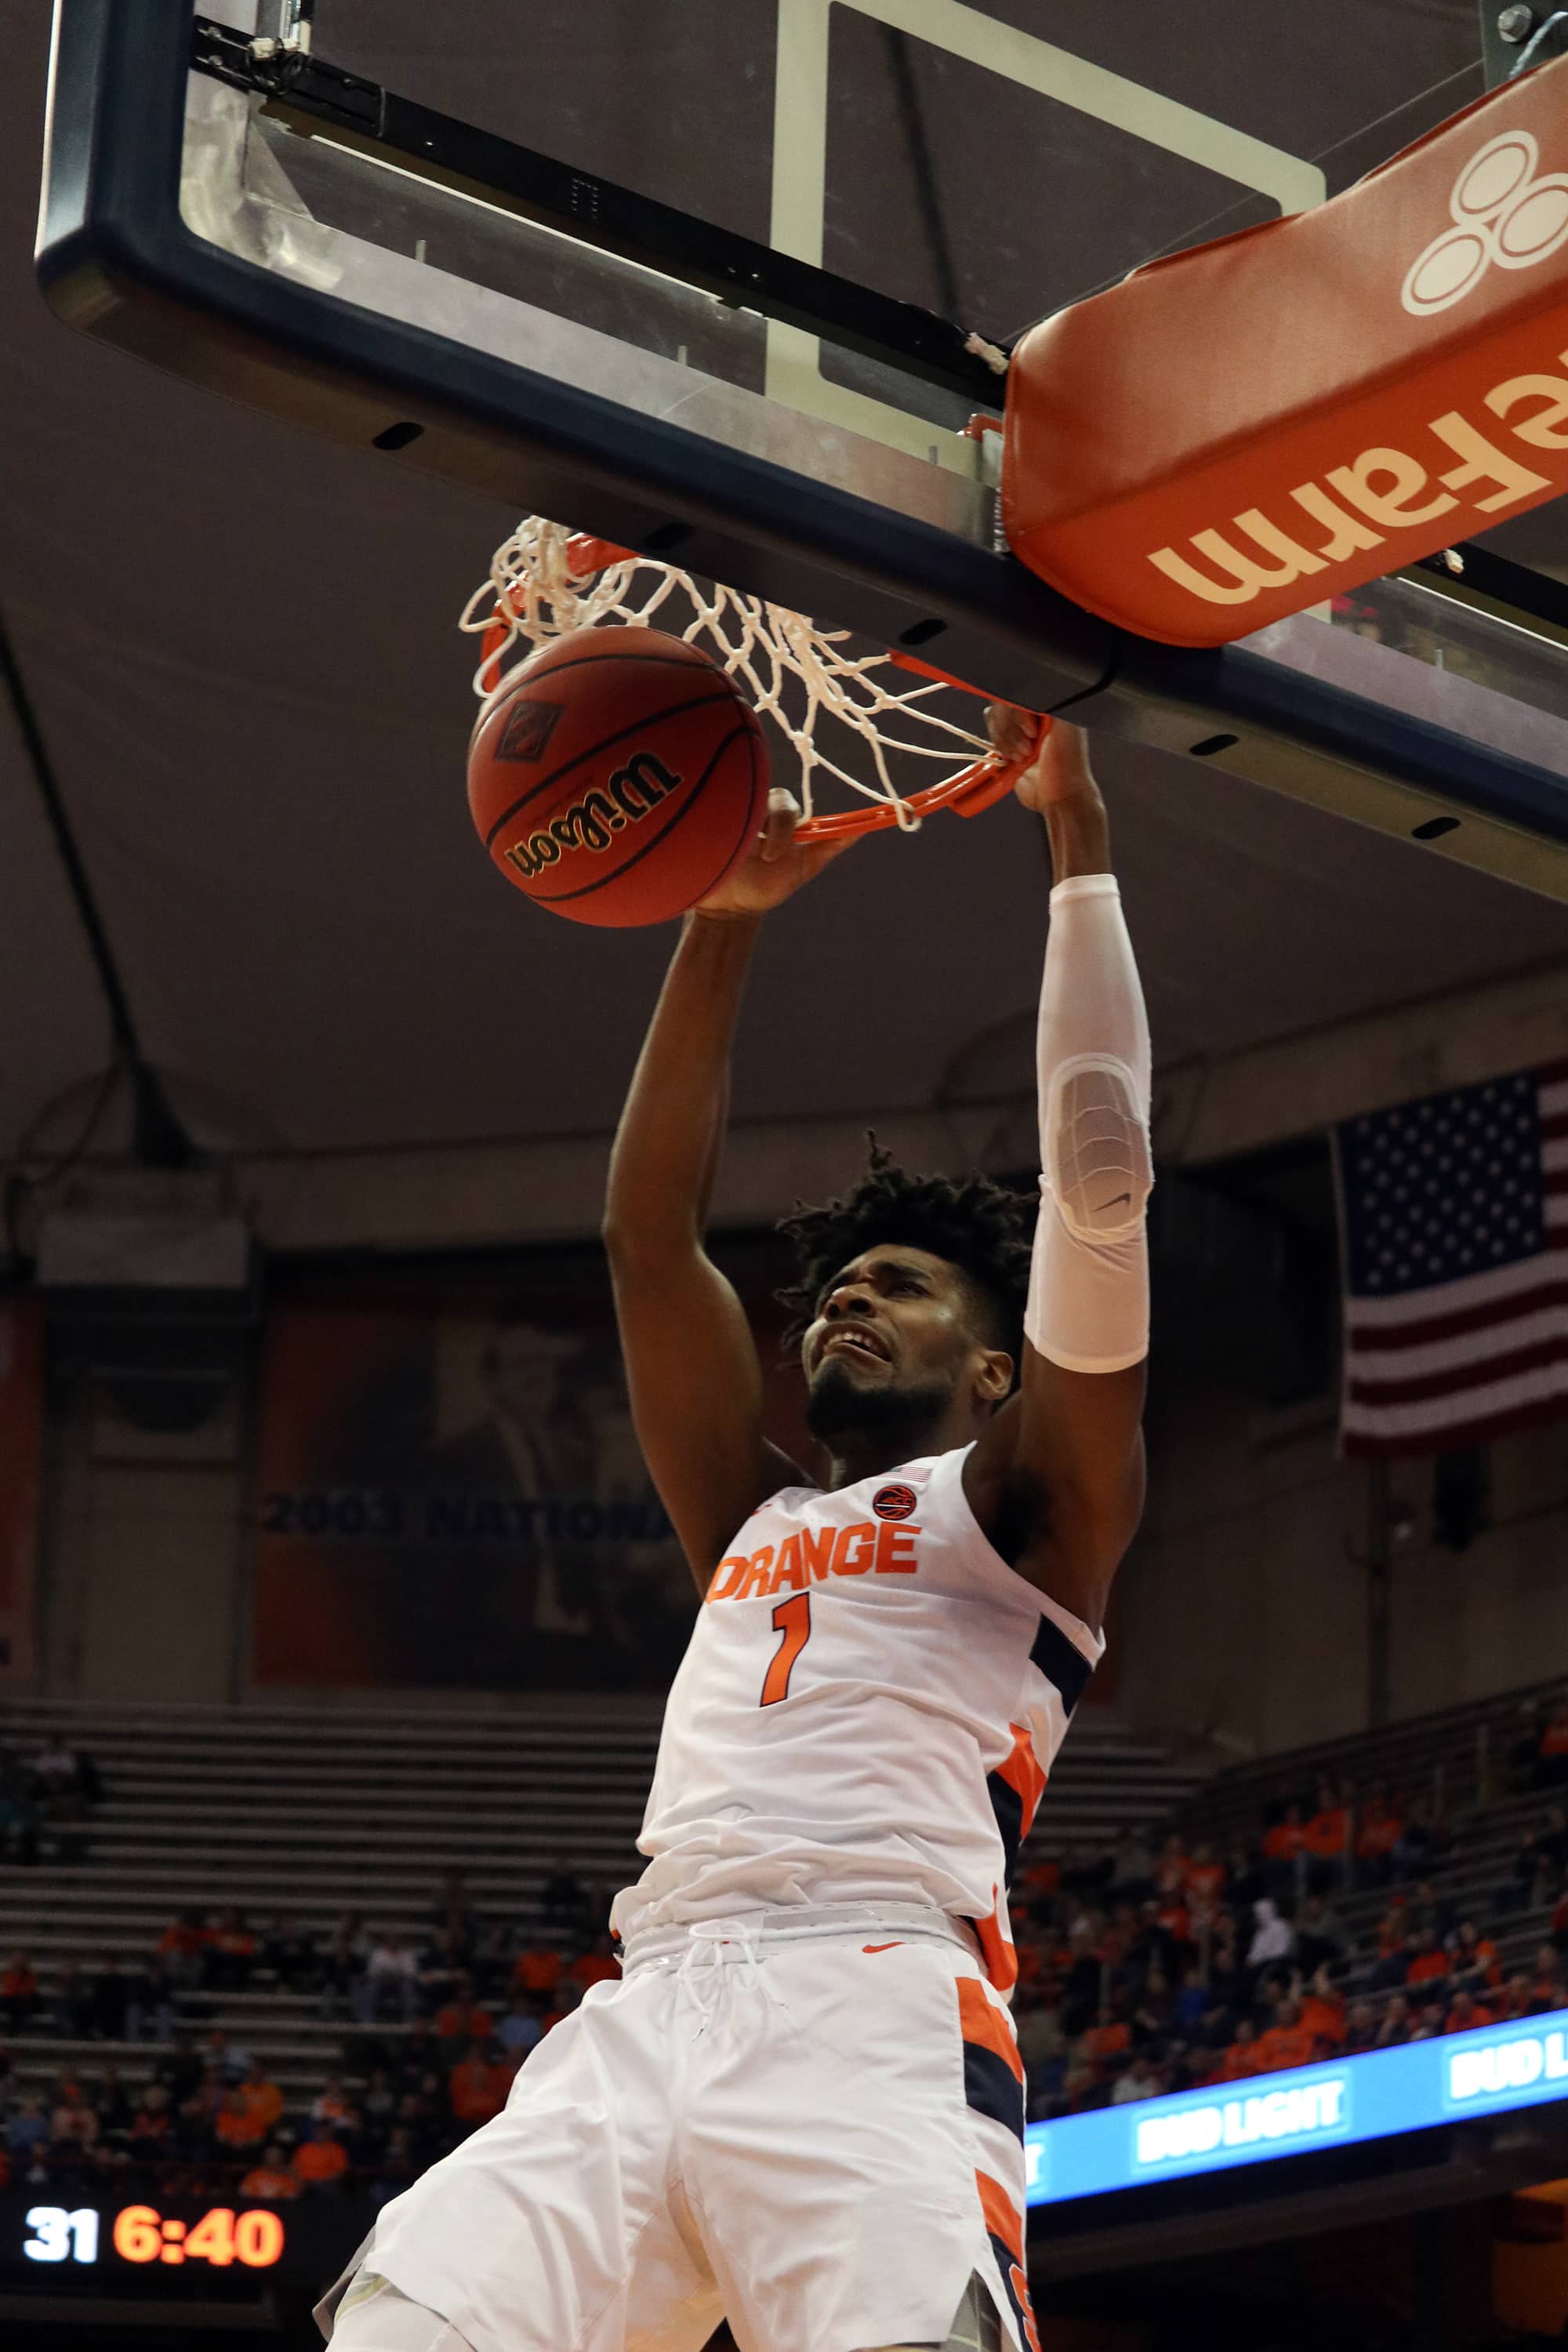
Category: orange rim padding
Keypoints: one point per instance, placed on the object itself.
(976, 788)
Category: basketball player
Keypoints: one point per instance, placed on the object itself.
(802, 2107)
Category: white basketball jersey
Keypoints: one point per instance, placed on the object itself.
(866, 1712)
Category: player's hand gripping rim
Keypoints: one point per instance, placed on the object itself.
(776, 868)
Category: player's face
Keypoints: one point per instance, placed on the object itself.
(893, 1332)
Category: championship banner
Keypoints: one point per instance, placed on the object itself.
(21, 1456)
(449, 1492)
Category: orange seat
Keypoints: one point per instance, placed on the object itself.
(1260, 424)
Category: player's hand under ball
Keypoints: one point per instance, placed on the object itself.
(1061, 770)
(776, 867)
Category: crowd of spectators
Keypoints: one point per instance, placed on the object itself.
(434, 2025)
(1208, 1962)
(1141, 1971)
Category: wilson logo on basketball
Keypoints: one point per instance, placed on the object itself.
(528, 731)
(894, 1502)
(1506, 216)
(593, 822)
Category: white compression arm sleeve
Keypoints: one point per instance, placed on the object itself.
(1089, 1285)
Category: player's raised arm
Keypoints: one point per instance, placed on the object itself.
(1062, 1463)
(691, 1363)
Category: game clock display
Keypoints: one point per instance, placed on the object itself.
(139, 2233)
(174, 2251)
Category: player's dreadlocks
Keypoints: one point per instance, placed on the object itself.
(972, 1223)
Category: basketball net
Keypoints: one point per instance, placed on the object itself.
(545, 580)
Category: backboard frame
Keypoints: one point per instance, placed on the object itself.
(1289, 710)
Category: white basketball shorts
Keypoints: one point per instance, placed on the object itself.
(815, 2133)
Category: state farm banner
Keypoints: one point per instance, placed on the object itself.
(450, 1496)
(21, 1459)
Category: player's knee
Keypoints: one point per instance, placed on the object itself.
(1099, 1167)
(373, 2317)
(975, 2327)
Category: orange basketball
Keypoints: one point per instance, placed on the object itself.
(618, 776)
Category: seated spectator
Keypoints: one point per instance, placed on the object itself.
(218, 2048)
(1285, 2042)
(1428, 1962)
(1512, 2001)
(55, 1767)
(73, 2119)
(183, 1946)
(1284, 1847)
(1241, 2058)
(492, 1961)
(263, 2099)
(1429, 2022)
(414, 2055)
(1464, 2011)
(1205, 1873)
(152, 2126)
(1395, 2026)
(1323, 2013)
(1273, 1938)
(332, 2105)
(18, 1993)
(1361, 2029)
(1154, 2010)
(1377, 1834)
(28, 2129)
(235, 2126)
(231, 1952)
(1321, 1935)
(1110, 2037)
(519, 2030)
(1171, 1869)
(399, 2163)
(1553, 1751)
(597, 1965)
(390, 1986)
(1141, 2080)
(1474, 1966)
(270, 2182)
(463, 2018)
(320, 2159)
(478, 2085)
(1324, 1837)
(1547, 1990)
(446, 1960)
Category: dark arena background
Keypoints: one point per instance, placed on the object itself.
(337, 1610)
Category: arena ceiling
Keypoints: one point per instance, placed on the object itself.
(239, 644)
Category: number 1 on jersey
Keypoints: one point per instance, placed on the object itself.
(792, 1620)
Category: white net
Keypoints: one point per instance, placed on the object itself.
(545, 580)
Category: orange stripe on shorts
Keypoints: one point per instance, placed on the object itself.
(979, 2023)
(1002, 2216)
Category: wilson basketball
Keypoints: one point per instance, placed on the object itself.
(618, 776)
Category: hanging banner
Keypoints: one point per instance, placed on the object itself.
(450, 1494)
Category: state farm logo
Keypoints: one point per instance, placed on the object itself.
(1504, 212)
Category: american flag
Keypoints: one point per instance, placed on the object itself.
(1454, 1233)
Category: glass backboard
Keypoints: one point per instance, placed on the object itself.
(744, 246)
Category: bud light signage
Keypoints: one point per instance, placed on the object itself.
(1369, 2097)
